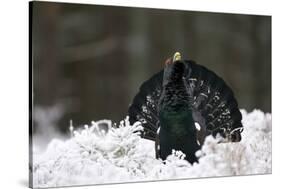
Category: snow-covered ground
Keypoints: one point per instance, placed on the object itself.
(92, 156)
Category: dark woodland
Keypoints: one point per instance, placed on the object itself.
(91, 60)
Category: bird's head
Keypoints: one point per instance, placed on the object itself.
(174, 69)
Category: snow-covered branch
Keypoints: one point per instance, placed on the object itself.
(94, 156)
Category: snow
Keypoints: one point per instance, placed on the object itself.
(94, 156)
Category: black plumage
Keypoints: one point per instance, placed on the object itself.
(182, 104)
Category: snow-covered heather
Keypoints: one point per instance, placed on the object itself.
(92, 156)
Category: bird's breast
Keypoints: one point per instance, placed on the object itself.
(177, 123)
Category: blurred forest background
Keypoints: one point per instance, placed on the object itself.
(88, 61)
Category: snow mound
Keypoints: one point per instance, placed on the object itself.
(96, 156)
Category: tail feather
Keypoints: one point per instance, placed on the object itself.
(144, 106)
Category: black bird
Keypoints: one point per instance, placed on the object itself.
(182, 104)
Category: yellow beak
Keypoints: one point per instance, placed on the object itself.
(176, 57)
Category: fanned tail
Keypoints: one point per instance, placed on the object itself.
(214, 105)
(144, 106)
